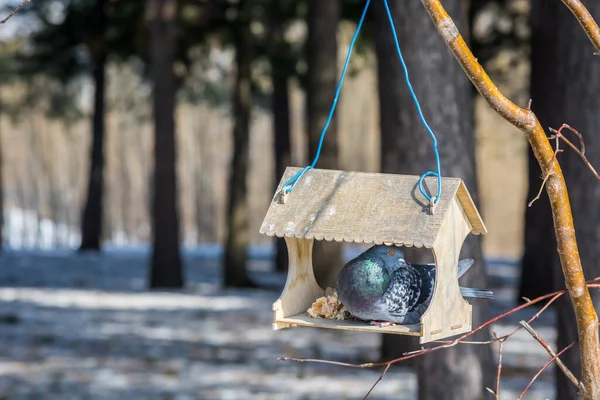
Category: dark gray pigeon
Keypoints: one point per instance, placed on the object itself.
(380, 286)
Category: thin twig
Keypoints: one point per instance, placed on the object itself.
(511, 333)
(550, 361)
(580, 151)
(377, 381)
(548, 173)
(500, 348)
(16, 10)
(340, 364)
(546, 346)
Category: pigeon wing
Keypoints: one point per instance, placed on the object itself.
(427, 275)
(404, 291)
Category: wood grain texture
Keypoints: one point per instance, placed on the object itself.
(301, 288)
(302, 319)
(365, 208)
(448, 314)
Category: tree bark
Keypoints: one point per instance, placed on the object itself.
(565, 79)
(235, 274)
(166, 269)
(281, 116)
(92, 216)
(322, 76)
(460, 372)
(281, 113)
(539, 234)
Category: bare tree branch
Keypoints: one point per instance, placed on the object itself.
(550, 361)
(581, 152)
(500, 348)
(16, 10)
(558, 150)
(585, 20)
(377, 381)
(546, 346)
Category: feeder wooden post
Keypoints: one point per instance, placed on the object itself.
(301, 287)
(436, 321)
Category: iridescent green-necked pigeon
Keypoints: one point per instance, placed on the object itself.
(380, 286)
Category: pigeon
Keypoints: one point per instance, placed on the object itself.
(381, 287)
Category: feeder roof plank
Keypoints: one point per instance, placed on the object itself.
(365, 208)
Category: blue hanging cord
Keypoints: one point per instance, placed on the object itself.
(291, 183)
(416, 101)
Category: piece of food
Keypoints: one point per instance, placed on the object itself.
(328, 307)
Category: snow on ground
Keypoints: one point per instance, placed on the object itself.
(84, 327)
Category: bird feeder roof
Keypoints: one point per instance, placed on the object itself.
(365, 208)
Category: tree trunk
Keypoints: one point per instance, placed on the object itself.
(322, 76)
(1, 182)
(202, 191)
(390, 88)
(281, 114)
(91, 220)
(447, 101)
(166, 269)
(565, 87)
(539, 230)
(235, 274)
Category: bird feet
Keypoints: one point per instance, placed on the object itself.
(381, 324)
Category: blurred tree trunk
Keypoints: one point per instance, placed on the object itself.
(1, 180)
(446, 97)
(144, 202)
(203, 190)
(166, 269)
(91, 220)
(322, 76)
(73, 199)
(537, 261)
(126, 184)
(235, 274)
(36, 173)
(281, 113)
(565, 87)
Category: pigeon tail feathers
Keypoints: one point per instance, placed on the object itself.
(464, 265)
(476, 293)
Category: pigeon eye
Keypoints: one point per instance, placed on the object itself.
(391, 252)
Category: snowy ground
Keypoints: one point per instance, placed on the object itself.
(84, 327)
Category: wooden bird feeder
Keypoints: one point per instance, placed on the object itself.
(379, 209)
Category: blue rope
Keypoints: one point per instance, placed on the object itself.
(294, 179)
(291, 183)
(416, 101)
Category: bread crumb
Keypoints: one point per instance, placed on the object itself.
(328, 307)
